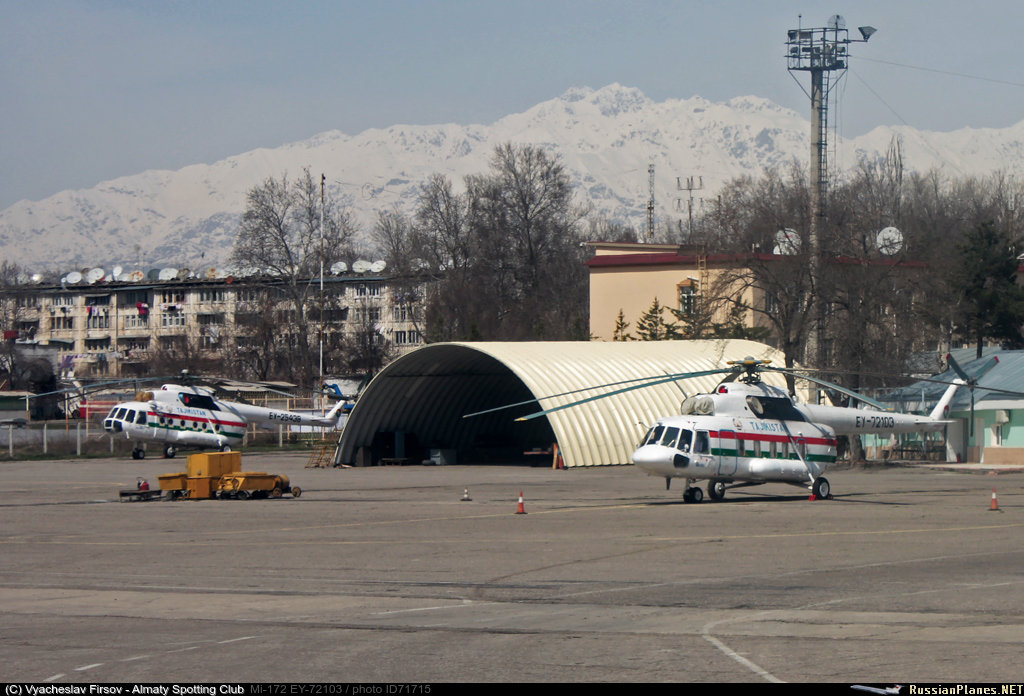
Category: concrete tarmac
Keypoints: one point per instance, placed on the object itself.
(386, 575)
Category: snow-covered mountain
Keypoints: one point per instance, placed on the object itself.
(606, 138)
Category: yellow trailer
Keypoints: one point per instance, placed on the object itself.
(255, 484)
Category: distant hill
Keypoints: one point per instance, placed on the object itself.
(606, 138)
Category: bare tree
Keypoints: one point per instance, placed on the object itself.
(281, 235)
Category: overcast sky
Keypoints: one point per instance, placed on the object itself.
(93, 90)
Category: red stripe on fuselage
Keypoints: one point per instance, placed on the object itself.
(745, 436)
(180, 416)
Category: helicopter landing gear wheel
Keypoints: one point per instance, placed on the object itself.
(821, 489)
(693, 495)
(716, 490)
(138, 454)
(225, 448)
(170, 451)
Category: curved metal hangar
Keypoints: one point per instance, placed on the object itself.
(413, 410)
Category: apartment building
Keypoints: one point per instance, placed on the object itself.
(110, 328)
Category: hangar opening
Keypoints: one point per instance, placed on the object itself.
(414, 410)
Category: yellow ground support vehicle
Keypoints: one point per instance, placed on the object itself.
(219, 475)
(243, 485)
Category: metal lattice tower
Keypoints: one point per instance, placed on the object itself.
(820, 51)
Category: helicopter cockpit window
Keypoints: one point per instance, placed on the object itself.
(685, 439)
(141, 418)
(198, 401)
(129, 416)
(653, 436)
(670, 437)
(119, 413)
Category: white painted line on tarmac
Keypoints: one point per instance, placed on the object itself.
(87, 667)
(132, 659)
(767, 676)
(234, 640)
(54, 677)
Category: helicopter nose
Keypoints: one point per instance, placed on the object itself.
(653, 457)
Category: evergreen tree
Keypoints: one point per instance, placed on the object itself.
(651, 326)
(993, 303)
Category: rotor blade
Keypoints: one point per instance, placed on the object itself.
(957, 369)
(831, 385)
(986, 367)
(674, 378)
(680, 375)
(97, 386)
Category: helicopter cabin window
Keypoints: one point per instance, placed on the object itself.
(774, 450)
(756, 444)
(141, 418)
(198, 401)
(702, 444)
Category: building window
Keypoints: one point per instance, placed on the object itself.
(364, 290)
(688, 298)
(62, 323)
(210, 319)
(172, 319)
(96, 345)
(211, 295)
(98, 321)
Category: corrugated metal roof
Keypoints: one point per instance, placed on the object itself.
(1008, 374)
(428, 391)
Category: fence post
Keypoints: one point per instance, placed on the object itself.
(10, 441)
(280, 435)
(44, 437)
(78, 439)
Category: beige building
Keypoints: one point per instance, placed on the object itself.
(628, 277)
(110, 328)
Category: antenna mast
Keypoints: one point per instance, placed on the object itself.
(650, 202)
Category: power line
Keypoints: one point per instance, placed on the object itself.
(944, 72)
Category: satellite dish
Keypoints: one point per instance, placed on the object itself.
(95, 275)
(153, 274)
(836, 22)
(338, 268)
(889, 241)
(124, 277)
(74, 277)
(378, 266)
(361, 266)
(184, 273)
(167, 274)
(220, 274)
(787, 242)
(37, 277)
(117, 271)
(136, 276)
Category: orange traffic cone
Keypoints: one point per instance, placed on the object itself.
(995, 503)
(522, 509)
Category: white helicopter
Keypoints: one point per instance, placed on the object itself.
(748, 433)
(177, 416)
